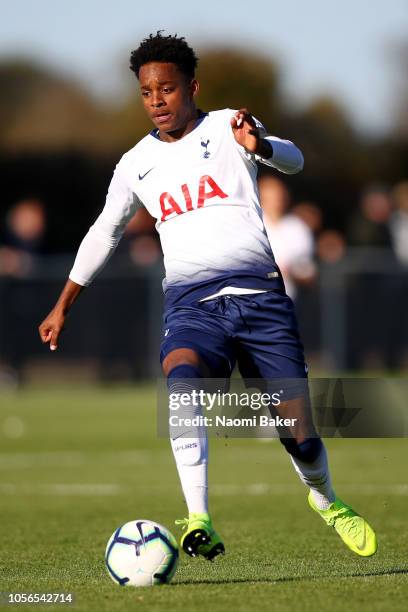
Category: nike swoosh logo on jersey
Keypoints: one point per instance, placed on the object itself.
(141, 176)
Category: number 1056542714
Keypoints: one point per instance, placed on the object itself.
(36, 598)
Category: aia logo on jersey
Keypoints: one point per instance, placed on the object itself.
(207, 188)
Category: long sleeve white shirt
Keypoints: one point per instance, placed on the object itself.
(202, 191)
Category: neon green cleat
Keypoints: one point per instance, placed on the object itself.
(200, 537)
(355, 532)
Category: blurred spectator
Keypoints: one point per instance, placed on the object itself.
(399, 221)
(369, 226)
(310, 214)
(21, 241)
(375, 286)
(142, 238)
(290, 237)
(22, 237)
(26, 226)
(144, 250)
(330, 246)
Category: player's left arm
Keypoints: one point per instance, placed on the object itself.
(270, 150)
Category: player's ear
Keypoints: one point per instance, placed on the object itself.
(194, 87)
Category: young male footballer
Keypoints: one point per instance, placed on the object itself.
(225, 302)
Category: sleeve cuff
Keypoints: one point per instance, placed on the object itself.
(78, 280)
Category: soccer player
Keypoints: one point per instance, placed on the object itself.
(225, 301)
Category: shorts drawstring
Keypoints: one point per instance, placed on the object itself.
(239, 301)
(222, 301)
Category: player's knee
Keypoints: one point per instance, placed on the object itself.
(307, 451)
(181, 358)
(182, 383)
(187, 438)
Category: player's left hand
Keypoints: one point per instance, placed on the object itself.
(245, 131)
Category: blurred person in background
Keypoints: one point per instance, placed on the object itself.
(142, 239)
(290, 237)
(22, 238)
(399, 232)
(329, 249)
(372, 283)
(310, 214)
(399, 221)
(330, 246)
(369, 226)
(21, 242)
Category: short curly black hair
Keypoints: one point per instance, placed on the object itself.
(159, 48)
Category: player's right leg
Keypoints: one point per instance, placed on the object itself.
(184, 368)
(188, 355)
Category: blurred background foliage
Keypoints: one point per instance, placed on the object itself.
(59, 144)
(44, 111)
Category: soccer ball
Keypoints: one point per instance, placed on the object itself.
(141, 553)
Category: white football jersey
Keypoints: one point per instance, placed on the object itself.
(202, 190)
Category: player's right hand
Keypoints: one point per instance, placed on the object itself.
(51, 328)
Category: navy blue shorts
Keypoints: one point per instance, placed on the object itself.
(258, 332)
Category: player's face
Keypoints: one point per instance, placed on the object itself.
(168, 96)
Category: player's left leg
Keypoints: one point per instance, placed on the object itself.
(271, 316)
(306, 450)
(309, 457)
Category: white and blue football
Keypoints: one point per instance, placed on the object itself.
(141, 553)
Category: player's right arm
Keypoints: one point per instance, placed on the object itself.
(94, 252)
(53, 324)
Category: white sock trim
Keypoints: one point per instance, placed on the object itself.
(316, 476)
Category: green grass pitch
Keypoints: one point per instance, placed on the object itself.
(77, 463)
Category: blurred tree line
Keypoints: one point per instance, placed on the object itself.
(60, 144)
